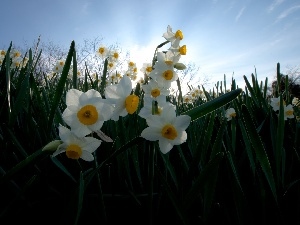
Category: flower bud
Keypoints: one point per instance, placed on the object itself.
(179, 66)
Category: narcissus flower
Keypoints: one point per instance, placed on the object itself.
(295, 101)
(15, 53)
(178, 49)
(230, 113)
(288, 112)
(275, 103)
(119, 95)
(102, 51)
(171, 36)
(76, 147)
(154, 90)
(2, 54)
(146, 68)
(86, 112)
(148, 109)
(114, 55)
(167, 128)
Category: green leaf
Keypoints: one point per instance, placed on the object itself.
(22, 96)
(178, 207)
(212, 105)
(62, 168)
(80, 197)
(279, 142)
(75, 79)
(247, 146)
(123, 148)
(259, 149)
(169, 167)
(209, 172)
(61, 85)
(21, 165)
(103, 78)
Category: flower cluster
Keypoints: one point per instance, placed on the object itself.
(17, 61)
(163, 123)
(288, 109)
(86, 112)
(194, 94)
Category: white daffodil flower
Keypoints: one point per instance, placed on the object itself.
(147, 109)
(171, 36)
(102, 52)
(119, 95)
(275, 103)
(167, 128)
(288, 112)
(76, 147)
(86, 112)
(154, 90)
(230, 113)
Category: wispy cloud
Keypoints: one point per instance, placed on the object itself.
(85, 8)
(274, 4)
(240, 14)
(287, 12)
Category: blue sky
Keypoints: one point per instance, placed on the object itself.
(231, 37)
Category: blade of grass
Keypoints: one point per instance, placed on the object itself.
(212, 105)
(60, 87)
(178, 207)
(62, 168)
(31, 159)
(80, 198)
(208, 173)
(259, 149)
(22, 95)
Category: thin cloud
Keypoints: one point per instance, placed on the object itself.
(274, 4)
(85, 8)
(240, 14)
(288, 12)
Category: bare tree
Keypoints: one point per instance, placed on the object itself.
(292, 76)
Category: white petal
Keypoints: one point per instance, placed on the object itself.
(96, 126)
(68, 116)
(181, 138)
(73, 108)
(182, 122)
(106, 111)
(83, 99)
(126, 85)
(64, 133)
(87, 156)
(151, 134)
(95, 101)
(164, 145)
(123, 112)
(61, 148)
(145, 112)
(81, 131)
(118, 110)
(93, 93)
(168, 114)
(72, 97)
(154, 121)
(90, 144)
(111, 92)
